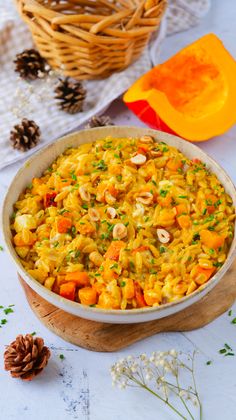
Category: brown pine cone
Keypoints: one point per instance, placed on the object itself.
(70, 96)
(26, 357)
(97, 121)
(30, 64)
(25, 135)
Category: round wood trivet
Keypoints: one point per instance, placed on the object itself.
(98, 336)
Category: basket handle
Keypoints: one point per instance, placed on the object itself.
(107, 21)
(136, 15)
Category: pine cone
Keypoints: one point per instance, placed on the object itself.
(25, 135)
(70, 96)
(97, 121)
(26, 357)
(30, 64)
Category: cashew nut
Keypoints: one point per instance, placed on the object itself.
(94, 214)
(145, 198)
(111, 212)
(163, 236)
(138, 159)
(119, 231)
(84, 194)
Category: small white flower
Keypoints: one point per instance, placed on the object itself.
(143, 356)
(173, 353)
(182, 394)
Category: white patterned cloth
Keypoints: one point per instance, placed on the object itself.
(182, 14)
(35, 100)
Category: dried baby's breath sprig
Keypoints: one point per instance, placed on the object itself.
(160, 374)
(26, 94)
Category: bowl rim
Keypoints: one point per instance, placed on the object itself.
(42, 290)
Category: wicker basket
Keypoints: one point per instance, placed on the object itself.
(88, 39)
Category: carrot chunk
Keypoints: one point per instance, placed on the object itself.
(63, 224)
(211, 199)
(211, 239)
(203, 274)
(67, 290)
(184, 221)
(181, 208)
(113, 252)
(88, 296)
(174, 164)
(139, 295)
(80, 278)
(128, 289)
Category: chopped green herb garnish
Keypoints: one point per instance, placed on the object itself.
(105, 235)
(233, 321)
(119, 178)
(204, 212)
(1, 248)
(210, 218)
(222, 351)
(227, 347)
(163, 193)
(123, 283)
(62, 211)
(209, 362)
(132, 266)
(33, 333)
(211, 228)
(85, 206)
(101, 165)
(217, 203)
(196, 237)
(162, 249)
(55, 244)
(73, 176)
(116, 156)
(183, 196)
(230, 312)
(154, 182)
(115, 265)
(8, 311)
(3, 321)
(93, 305)
(73, 230)
(217, 264)
(61, 356)
(211, 251)
(165, 149)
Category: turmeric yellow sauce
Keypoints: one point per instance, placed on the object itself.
(123, 223)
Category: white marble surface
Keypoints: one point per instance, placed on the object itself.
(79, 387)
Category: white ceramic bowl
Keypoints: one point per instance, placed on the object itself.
(35, 166)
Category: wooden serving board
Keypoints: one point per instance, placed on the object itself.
(98, 336)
